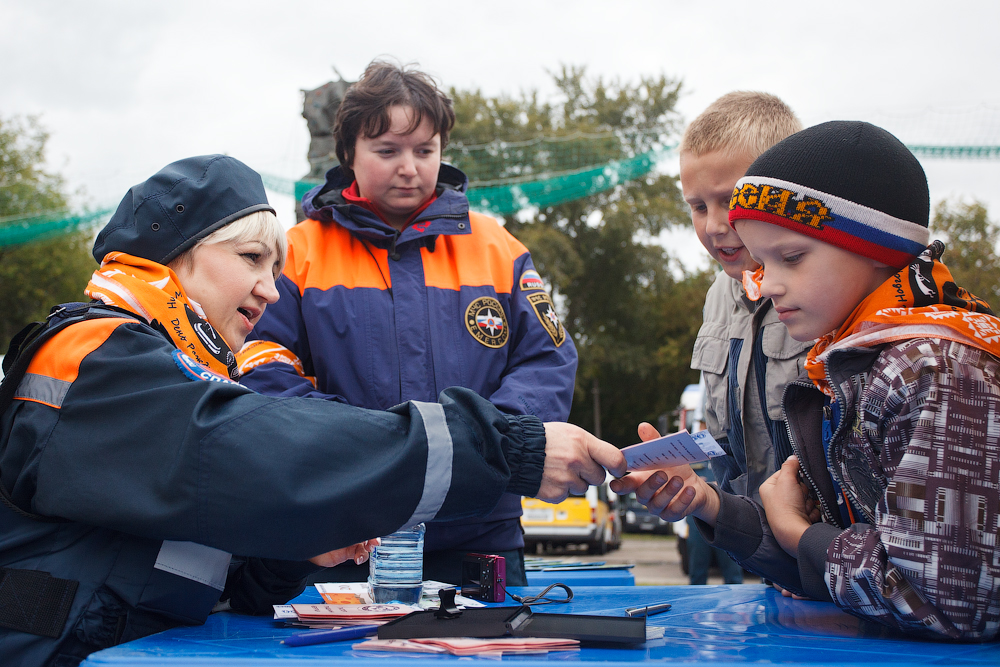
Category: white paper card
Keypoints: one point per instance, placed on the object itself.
(672, 450)
(339, 593)
(284, 612)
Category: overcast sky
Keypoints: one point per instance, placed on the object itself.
(126, 86)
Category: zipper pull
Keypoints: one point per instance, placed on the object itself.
(393, 253)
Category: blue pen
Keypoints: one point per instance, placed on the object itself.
(327, 636)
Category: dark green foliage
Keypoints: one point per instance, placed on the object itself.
(971, 256)
(24, 188)
(35, 276)
(632, 309)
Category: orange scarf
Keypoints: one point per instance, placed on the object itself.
(152, 291)
(921, 301)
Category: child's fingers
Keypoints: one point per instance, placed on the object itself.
(673, 501)
(629, 484)
(647, 432)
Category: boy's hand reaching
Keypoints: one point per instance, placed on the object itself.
(356, 552)
(789, 508)
(671, 493)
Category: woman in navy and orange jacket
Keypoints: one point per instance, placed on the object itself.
(394, 290)
(133, 463)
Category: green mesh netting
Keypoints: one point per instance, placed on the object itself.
(505, 177)
(507, 198)
(508, 162)
(508, 177)
(957, 152)
(22, 229)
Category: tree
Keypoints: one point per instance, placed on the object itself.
(34, 276)
(971, 255)
(631, 308)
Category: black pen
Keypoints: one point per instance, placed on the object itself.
(648, 610)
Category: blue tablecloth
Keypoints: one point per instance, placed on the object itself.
(582, 577)
(708, 625)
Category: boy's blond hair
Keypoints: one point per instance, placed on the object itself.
(744, 123)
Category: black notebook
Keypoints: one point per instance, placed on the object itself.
(517, 622)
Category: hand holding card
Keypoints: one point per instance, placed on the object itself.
(671, 450)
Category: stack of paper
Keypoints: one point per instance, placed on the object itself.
(495, 647)
(340, 615)
(356, 595)
(557, 565)
(359, 593)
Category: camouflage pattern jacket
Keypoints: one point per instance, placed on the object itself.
(917, 450)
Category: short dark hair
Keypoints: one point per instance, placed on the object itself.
(364, 110)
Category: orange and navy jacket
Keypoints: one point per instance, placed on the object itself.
(377, 317)
(148, 471)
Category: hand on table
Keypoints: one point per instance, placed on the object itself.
(787, 593)
(356, 552)
(789, 508)
(574, 460)
(672, 493)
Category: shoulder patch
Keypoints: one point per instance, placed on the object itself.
(530, 280)
(542, 304)
(486, 321)
(195, 371)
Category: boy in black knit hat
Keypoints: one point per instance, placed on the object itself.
(896, 421)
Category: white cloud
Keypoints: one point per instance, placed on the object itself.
(125, 87)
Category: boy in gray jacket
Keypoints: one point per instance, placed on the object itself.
(744, 353)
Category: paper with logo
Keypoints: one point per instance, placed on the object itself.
(468, 646)
(356, 592)
(672, 450)
(284, 612)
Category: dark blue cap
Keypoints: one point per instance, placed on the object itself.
(185, 201)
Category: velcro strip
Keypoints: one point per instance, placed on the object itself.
(35, 602)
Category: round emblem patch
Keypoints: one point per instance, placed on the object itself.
(195, 371)
(485, 320)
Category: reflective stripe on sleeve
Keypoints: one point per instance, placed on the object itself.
(42, 389)
(196, 562)
(440, 453)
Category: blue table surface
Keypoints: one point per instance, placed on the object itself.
(708, 625)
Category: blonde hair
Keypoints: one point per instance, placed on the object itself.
(744, 123)
(257, 226)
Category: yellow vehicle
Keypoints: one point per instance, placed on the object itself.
(593, 519)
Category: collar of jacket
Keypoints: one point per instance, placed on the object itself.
(803, 405)
(448, 214)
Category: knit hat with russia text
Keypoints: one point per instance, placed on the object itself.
(847, 183)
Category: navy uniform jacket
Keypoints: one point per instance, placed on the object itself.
(378, 317)
(154, 472)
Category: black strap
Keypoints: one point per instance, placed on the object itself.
(35, 602)
(23, 347)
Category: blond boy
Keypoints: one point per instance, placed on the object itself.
(744, 353)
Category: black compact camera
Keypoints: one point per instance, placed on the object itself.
(484, 577)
